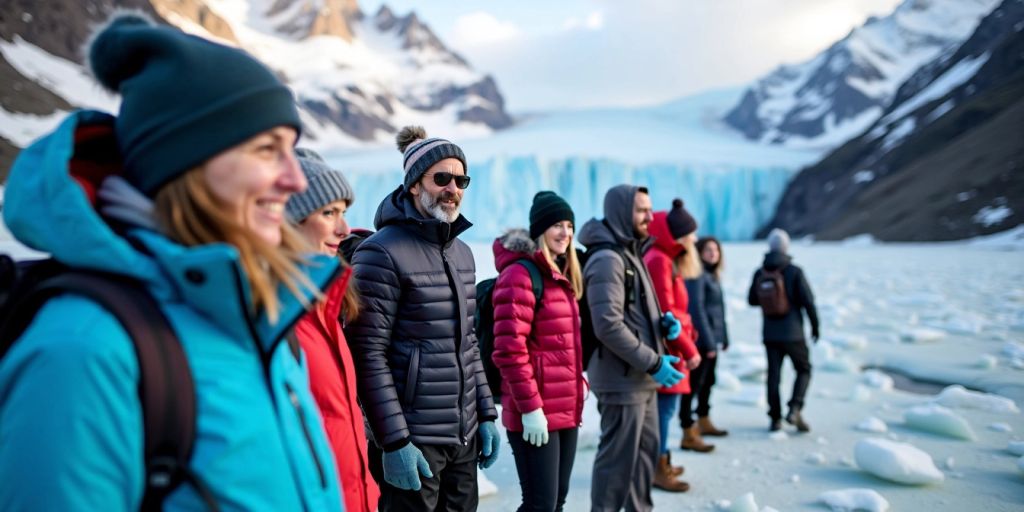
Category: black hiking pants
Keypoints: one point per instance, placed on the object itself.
(453, 486)
(544, 471)
(800, 358)
(702, 379)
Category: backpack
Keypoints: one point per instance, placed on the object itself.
(166, 390)
(771, 293)
(588, 337)
(483, 320)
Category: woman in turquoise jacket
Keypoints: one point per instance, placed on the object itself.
(194, 172)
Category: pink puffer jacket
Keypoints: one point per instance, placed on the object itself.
(537, 350)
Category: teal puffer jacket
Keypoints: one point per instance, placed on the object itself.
(71, 433)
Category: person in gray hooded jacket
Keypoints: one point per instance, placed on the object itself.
(630, 363)
(421, 382)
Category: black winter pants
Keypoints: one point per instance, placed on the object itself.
(544, 472)
(702, 379)
(799, 356)
(453, 487)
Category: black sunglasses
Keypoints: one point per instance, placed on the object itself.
(442, 179)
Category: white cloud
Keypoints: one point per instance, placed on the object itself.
(481, 28)
(593, 21)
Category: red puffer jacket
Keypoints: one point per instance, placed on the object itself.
(332, 380)
(537, 351)
(671, 290)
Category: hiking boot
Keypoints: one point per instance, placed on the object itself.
(664, 480)
(693, 442)
(794, 418)
(675, 470)
(775, 426)
(709, 429)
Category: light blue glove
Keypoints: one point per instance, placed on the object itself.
(665, 374)
(489, 444)
(670, 326)
(535, 428)
(403, 467)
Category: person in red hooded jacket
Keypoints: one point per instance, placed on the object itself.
(319, 215)
(537, 349)
(670, 260)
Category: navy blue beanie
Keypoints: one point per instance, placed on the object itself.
(183, 99)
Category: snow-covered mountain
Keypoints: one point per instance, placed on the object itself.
(840, 92)
(943, 161)
(358, 77)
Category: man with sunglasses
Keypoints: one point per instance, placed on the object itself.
(421, 383)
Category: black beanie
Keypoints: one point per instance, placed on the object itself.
(680, 222)
(183, 99)
(548, 209)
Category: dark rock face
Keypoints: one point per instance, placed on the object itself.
(962, 156)
(343, 113)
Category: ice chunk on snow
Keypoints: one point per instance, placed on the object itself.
(779, 435)
(854, 499)
(939, 420)
(921, 335)
(850, 342)
(1015, 447)
(950, 463)
(1000, 427)
(1013, 350)
(877, 380)
(753, 397)
(816, 458)
(959, 397)
(726, 381)
(986, 362)
(860, 393)
(794, 478)
(872, 424)
(486, 486)
(744, 503)
(841, 364)
(897, 462)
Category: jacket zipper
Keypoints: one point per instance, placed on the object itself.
(458, 347)
(294, 398)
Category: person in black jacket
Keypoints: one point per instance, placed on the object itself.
(784, 334)
(420, 379)
(707, 309)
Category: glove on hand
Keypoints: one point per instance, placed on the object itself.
(489, 444)
(665, 374)
(670, 326)
(403, 467)
(535, 428)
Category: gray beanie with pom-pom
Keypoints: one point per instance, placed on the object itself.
(184, 99)
(421, 153)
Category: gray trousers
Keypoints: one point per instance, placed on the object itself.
(627, 454)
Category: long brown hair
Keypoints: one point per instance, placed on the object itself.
(717, 268)
(572, 270)
(187, 212)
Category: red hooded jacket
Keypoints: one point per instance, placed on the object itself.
(332, 379)
(537, 350)
(671, 290)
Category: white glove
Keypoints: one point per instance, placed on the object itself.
(535, 428)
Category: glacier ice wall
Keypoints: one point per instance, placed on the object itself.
(730, 202)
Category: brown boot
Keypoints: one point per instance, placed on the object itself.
(709, 429)
(693, 441)
(675, 470)
(664, 480)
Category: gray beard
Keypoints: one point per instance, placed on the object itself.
(432, 206)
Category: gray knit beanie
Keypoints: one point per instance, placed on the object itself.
(326, 185)
(420, 153)
(778, 241)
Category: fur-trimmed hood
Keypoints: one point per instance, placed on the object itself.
(514, 245)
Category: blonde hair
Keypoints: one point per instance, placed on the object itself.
(688, 263)
(572, 265)
(188, 213)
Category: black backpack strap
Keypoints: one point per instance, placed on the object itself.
(536, 280)
(630, 270)
(166, 389)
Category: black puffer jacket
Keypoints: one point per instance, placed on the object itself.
(707, 309)
(791, 326)
(419, 373)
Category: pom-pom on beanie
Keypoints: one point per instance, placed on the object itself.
(326, 186)
(680, 222)
(420, 153)
(183, 99)
(547, 210)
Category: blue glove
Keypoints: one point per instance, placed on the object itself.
(489, 444)
(403, 467)
(670, 326)
(535, 428)
(665, 374)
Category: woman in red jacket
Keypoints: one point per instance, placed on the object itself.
(319, 214)
(670, 260)
(538, 352)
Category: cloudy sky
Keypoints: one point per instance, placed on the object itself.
(589, 53)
